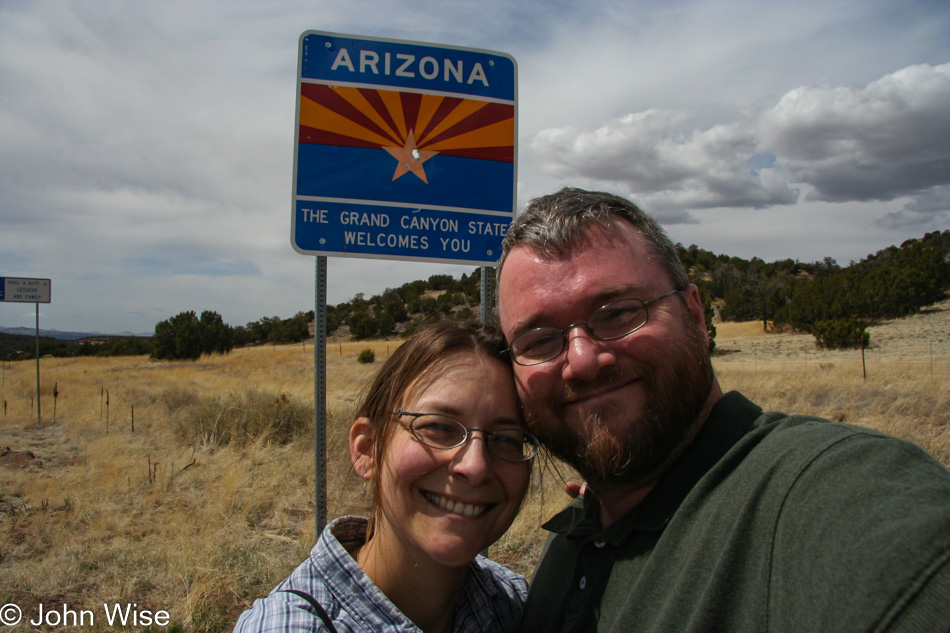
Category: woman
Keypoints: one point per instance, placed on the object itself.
(441, 439)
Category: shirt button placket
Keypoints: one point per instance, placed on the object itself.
(589, 559)
(576, 613)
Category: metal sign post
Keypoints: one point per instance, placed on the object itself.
(320, 392)
(403, 150)
(27, 290)
(488, 294)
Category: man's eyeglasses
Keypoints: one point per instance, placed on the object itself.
(444, 432)
(607, 323)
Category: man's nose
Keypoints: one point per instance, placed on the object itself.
(585, 355)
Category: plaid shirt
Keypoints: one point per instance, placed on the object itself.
(491, 600)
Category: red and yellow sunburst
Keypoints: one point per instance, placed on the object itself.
(411, 127)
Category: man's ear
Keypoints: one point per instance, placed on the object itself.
(362, 445)
(694, 305)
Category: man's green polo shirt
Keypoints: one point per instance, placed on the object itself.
(767, 522)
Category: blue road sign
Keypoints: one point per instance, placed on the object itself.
(403, 150)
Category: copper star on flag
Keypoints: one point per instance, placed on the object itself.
(410, 158)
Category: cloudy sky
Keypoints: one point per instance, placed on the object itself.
(146, 148)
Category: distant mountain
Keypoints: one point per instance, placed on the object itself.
(62, 336)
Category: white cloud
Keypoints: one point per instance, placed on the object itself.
(888, 139)
(657, 158)
(881, 141)
(931, 206)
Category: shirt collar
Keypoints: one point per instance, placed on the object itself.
(729, 420)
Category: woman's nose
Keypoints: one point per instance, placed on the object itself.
(472, 460)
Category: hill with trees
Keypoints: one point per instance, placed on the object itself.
(823, 297)
(832, 302)
(19, 347)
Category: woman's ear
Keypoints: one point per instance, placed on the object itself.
(362, 445)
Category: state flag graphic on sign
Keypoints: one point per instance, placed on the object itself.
(376, 144)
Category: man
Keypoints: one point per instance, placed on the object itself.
(702, 513)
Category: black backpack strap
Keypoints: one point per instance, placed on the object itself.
(316, 605)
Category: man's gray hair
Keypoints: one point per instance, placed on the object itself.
(554, 223)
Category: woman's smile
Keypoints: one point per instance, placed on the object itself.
(456, 507)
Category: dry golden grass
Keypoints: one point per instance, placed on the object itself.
(102, 513)
(900, 384)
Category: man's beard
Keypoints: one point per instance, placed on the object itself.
(634, 451)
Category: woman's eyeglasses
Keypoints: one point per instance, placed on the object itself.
(436, 430)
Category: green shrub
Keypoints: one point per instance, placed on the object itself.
(841, 334)
(187, 337)
(366, 357)
(363, 325)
